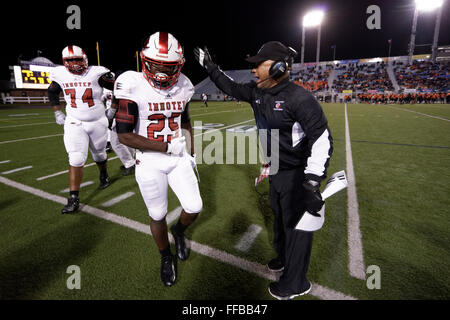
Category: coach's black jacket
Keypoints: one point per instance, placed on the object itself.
(304, 137)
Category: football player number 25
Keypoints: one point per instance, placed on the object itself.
(86, 97)
(159, 122)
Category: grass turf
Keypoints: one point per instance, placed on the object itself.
(401, 164)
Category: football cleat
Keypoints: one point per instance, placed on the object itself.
(277, 292)
(105, 182)
(73, 204)
(180, 244)
(168, 273)
(127, 171)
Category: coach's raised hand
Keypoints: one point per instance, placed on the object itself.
(204, 58)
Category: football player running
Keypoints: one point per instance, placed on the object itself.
(85, 123)
(153, 110)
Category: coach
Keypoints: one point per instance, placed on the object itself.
(292, 115)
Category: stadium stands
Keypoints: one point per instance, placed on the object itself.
(362, 77)
(376, 80)
(313, 78)
(423, 76)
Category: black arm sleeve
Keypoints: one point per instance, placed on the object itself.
(53, 92)
(185, 117)
(226, 84)
(126, 116)
(107, 81)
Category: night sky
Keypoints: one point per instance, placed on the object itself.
(231, 29)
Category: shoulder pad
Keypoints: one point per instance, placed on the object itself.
(56, 74)
(188, 86)
(125, 84)
(100, 70)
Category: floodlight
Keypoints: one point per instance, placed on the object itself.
(428, 5)
(313, 18)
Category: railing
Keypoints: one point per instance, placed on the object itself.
(29, 100)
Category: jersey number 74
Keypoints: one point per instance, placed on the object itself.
(86, 97)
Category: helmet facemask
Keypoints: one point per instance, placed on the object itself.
(76, 65)
(161, 74)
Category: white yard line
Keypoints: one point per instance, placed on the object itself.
(173, 215)
(84, 184)
(29, 124)
(213, 113)
(16, 170)
(355, 250)
(27, 118)
(423, 114)
(246, 241)
(66, 171)
(33, 138)
(231, 125)
(4, 161)
(118, 199)
(23, 114)
(253, 267)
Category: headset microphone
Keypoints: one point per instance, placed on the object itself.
(264, 80)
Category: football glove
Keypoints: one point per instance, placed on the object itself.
(204, 58)
(312, 197)
(110, 113)
(60, 117)
(177, 146)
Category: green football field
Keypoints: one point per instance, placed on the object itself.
(401, 161)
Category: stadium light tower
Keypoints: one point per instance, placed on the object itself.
(312, 19)
(424, 6)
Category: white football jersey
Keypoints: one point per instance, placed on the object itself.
(159, 110)
(82, 93)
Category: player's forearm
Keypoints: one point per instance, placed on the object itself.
(114, 104)
(57, 108)
(136, 141)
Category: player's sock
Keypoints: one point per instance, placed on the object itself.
(104, 173)
(74, 193)
(166, 252)
(179, 227)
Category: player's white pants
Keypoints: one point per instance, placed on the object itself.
(81, 136)
(125, 154)
(155, 171)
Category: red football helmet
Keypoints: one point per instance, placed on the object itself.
(74, 59)
(162, 59)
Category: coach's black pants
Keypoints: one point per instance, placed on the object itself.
(293, 246)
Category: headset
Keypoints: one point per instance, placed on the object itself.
(279, 67)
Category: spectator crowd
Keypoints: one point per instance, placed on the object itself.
(313, 79)
(423, 76)
(362, 77)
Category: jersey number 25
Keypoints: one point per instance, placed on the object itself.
(154, 130)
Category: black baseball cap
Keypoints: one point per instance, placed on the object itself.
(272, 50)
